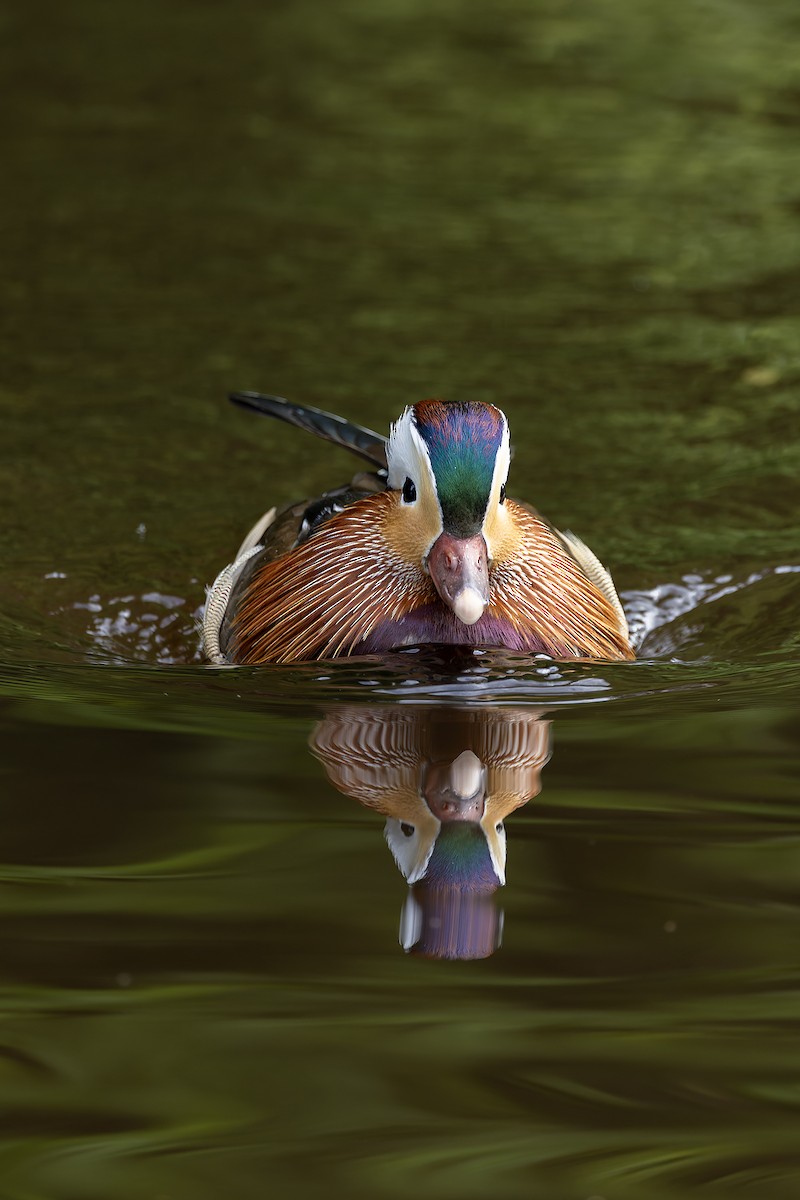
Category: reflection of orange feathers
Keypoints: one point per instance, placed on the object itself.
(377, 755)
(374, 756)
(514, 743)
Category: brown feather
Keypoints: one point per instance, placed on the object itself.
(540, 587)
(325, 597)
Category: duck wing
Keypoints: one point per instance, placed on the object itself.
(366, 443)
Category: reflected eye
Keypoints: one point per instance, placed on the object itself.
(407, 830)
(409, 491)
(502, 493)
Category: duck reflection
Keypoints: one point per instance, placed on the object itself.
(445, 779)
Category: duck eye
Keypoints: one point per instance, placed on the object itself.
(407, 830)
(409, 491)
(502, 493)
(499, 826)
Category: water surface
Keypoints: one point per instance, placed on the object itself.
(588, 214)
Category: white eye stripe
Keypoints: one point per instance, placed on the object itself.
(407, 455)
(502, 463)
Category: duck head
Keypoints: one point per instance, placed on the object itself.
(449, 462)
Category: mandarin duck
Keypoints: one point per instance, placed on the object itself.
(445, 779)
(426, 548)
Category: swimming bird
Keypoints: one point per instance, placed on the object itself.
(425, 548)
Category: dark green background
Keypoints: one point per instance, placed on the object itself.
(587, 212)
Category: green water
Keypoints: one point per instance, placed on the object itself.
(588, 213)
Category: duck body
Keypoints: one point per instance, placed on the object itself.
(424, 549)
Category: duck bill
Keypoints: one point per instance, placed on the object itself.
(456, 791)
(460, 573)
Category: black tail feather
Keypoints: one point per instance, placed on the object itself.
(369, 445)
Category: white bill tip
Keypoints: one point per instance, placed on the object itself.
(469, 606)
